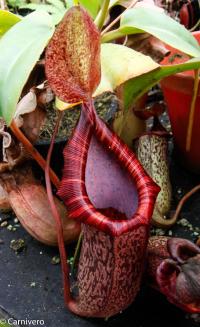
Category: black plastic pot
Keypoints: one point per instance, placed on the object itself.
(57, 158)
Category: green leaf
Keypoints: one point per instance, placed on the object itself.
(56, 12)
(157, 23)
(58, 4)
(136, 72)
(7, 20)
(92, 6)
(20, 49)
(42, 7)
(119, 64)
(136, 87)
(15, 3)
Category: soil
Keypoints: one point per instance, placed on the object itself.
(31, 285)
(105, 104)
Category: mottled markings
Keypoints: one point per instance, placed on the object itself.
(73, 57)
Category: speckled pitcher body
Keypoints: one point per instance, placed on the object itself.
(106, 189)
(110, 270)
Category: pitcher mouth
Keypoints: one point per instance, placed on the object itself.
(113, 213)
(82, 203)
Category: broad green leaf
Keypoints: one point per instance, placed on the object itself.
(56, 12)
(56, 8)
(18, 57)
(7, 20)
(136, 87)
(119, 64)
(92, 6)
(44, 7)
(157, 23)
(58, 4)
(15, 3)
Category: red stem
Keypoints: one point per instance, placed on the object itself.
(183, 200)
(34, 153)
(58, 221)
(192, 110)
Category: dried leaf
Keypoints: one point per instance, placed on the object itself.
(6, 139)
(32, 124)
(33, 121)
(4, 202)
(26, 105)
(29, 201)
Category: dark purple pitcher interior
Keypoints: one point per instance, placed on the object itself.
(108, 184)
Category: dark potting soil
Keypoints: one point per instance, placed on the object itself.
(31, 282)
(105, 104)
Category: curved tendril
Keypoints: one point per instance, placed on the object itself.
(56, 215)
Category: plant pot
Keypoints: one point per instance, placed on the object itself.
(178, 91)
(57, 159)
